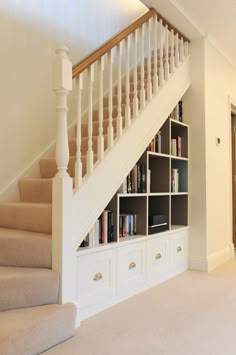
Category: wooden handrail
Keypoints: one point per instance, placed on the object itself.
(107, 46)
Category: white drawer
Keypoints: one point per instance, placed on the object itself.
(179, 251)
(158, 258)
(96, 277)
(131, 272)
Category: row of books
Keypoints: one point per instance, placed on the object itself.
(155, 144)
(135, 182)
(177, 113)
(127, 225)
(102, 232)
(175, 180)
(176, 148)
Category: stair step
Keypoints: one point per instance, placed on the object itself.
(48, 166)
(84, 144)
(25, 249)
(27, 287)
(34, 330)
(28, 216)
(35, 190)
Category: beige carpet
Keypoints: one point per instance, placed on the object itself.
(191, 314)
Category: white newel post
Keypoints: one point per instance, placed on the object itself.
(62, 257)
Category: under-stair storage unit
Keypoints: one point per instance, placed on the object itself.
(150, 226)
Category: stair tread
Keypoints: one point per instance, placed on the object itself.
(25, 249)
(35, 190)
(34, 330)
(25, 287)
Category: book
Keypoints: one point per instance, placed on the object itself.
(174, 146)
(175, 180)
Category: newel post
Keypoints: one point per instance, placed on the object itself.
(62, 257)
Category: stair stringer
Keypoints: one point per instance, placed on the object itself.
(98, 189)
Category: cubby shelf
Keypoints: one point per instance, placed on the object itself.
(146, 223)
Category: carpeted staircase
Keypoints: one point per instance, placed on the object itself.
(31, 320)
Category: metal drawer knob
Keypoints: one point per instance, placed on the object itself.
(179, 249)
(158, 256)
(98, 276)
(132, 265)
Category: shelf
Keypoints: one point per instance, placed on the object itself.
(159, 194)
(133, 238)
(182, 169)
(93, 249)
(159, 167)
(179, 210)
(159, 205)
(154, 154)
(175, 157)
(132, 194)
(173, 121)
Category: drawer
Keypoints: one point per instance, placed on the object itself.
(96, 277)
(179, 251)
(158, 260)
(131, 272)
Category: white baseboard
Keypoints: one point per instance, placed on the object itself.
(212, 261)
(220, 257)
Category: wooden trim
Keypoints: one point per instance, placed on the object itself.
(107, 46)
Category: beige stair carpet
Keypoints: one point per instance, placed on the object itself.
(31, 331)
(26, 287)
(25, 249)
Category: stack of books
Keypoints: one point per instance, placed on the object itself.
(135, 182)
(102, 232)
(127, 225)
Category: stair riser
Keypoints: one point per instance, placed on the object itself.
(35, 190)
(24, 249)
(25, 217)
(25, 287)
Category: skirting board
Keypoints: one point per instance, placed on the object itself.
(212, 261)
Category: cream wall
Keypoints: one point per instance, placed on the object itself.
(194, 115)
(207, 110)
(29, 33)
(220, 84)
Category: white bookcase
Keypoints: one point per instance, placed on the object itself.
(109, 273)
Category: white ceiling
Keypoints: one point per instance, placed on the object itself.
(214, 19)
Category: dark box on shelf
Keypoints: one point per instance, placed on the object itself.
(156, 220)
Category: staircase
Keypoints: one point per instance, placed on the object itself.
(38, 239)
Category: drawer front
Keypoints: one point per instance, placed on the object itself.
(158, 260)
(96, 277)
(179, 251)
(131, 272)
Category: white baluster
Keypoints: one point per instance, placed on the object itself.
(100, 110)
(155, 55)
(161, 74)
(110, 101)
(135, 98)
(78, 165)
(181, 50)
(166, 53)
(142, 91)
(172, 52)
(119, 122)
(149, 80)
(186, 48)
(90, 120)
(62, 84)
(127, 85)
(176, 50)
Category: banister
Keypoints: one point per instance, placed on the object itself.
(107, 46)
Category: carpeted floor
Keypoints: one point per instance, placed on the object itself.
(191, 314)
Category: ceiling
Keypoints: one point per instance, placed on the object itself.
(214, 19)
